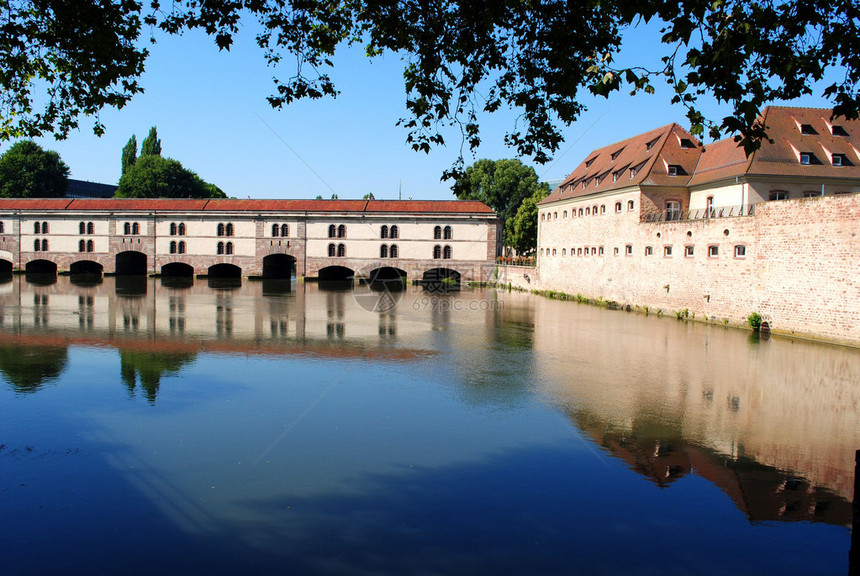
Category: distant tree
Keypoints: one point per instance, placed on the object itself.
(334, 197)
(129, 154)
(523, 229)
(151, 145)
(28, 171)
(500, 184)
(368, 196)
(154, 176)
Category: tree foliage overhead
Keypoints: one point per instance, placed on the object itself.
(28, 171)
(460, 58)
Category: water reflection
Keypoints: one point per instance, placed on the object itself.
(28, 368)
(773, 423)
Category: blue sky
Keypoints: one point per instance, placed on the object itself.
(212, 115)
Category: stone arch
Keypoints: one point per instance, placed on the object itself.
(86, 267)
(336, 273)
(40, 267)
(278, 266)
(441, 280)
(224, 271)
(5, 267)
(131, 263)
(177, 270)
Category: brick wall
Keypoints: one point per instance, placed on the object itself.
(800, 270)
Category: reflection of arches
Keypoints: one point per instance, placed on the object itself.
(86, 267)
(336, 273)
(386, 273)
(130, 263)
(225, 271)
(40, 267)
(177, 269)
(278, 266)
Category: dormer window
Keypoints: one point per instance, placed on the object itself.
(632, 172)
(806, 158)
(839, 160)
(838, 131)
(674, 170)
(584, 184)
(616, 153)
(589, 162)
(687, 143)
(807, 129)
(615, 176)
(651, 144)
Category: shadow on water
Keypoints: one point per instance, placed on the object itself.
(86, 280)
(277, 286)
(223, 283)
(40, 278)
(177, 282)
(336, 285)
(130, 285)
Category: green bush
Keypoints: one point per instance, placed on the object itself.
(754, 321)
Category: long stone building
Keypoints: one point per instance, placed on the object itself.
(326, 239)
(659, 220)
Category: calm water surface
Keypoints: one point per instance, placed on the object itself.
(267, 428)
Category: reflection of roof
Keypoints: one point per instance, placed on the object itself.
(221, 205)
(761, 492)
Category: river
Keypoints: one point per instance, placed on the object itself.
(279, 427)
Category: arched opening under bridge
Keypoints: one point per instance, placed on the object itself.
(131, 263)
(278, 266)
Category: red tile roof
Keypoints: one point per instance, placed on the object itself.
(224, 205)
(720, 160)
(641, 160)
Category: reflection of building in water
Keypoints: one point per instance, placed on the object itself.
(148, 367)
(787, 406)
(661, 454)
(29, 368)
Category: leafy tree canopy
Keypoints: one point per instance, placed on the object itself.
(500, 184)
(28, 171)
(158, 177)
(151, 145)
(60, 60)
(129, 154)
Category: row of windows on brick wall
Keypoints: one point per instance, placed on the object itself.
(225, 248)
(386, 251)
(40, 245)
(86, 228)
(280, 230)
(338, 251)
(444, 253)
(445, 233)
(131, 228)
(86, 246)
(179, 247)
(177, 229)
(225, 229)
(740, 251)
(40, 228)
(386, 232)
(337, 231)
(587, 211)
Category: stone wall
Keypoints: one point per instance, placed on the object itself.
(799, 265)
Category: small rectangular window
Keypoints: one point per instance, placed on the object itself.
(648, 250)
(839, 131)
(667, 251)
(778, 195)
(628, 250)
(687, 143)
(740, 251)
(805, 158)
(713, 251)
(839, 160)
(689, 251)
(807, 129)
(673, 169)
(811, 194)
